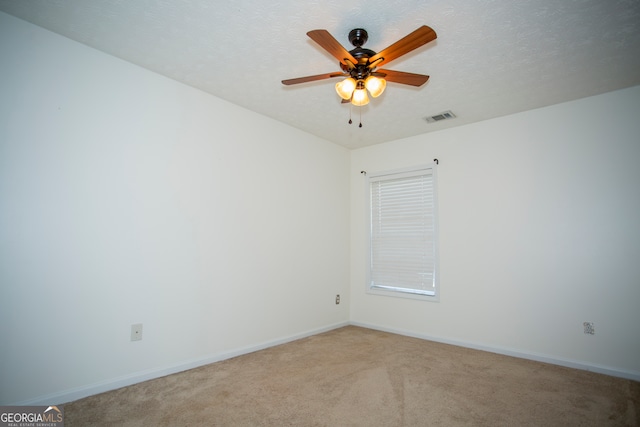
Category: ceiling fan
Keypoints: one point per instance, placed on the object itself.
(360, 65)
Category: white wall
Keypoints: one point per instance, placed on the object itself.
(126, 197)
(539, 231)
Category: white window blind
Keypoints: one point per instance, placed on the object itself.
(403, 232)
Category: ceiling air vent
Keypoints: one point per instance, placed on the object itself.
(446, 115)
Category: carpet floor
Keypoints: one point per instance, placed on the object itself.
(354, 376)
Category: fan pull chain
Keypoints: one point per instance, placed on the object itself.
(351, 121)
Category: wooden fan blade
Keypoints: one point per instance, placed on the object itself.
(331, 45)
(419, 37)
(402, 77)
(311, 78)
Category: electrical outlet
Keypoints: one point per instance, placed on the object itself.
(136, 332)
(589, 329)
(338, 299)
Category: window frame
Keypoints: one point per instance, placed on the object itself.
(398, 292)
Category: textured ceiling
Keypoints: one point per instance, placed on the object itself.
(491, 58)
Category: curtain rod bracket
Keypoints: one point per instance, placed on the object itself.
(436, 161)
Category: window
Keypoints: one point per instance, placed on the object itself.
(403, 230)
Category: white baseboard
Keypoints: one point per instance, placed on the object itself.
(70, 395)
(137, 377)
(630, 375)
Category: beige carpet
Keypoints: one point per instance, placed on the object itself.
(360, 377)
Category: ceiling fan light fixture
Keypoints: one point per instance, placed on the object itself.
(360, 96)
(358, 66)
(375, 85)
(346, 87)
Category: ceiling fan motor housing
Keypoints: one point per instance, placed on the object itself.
(358, 37)
(361, 71)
